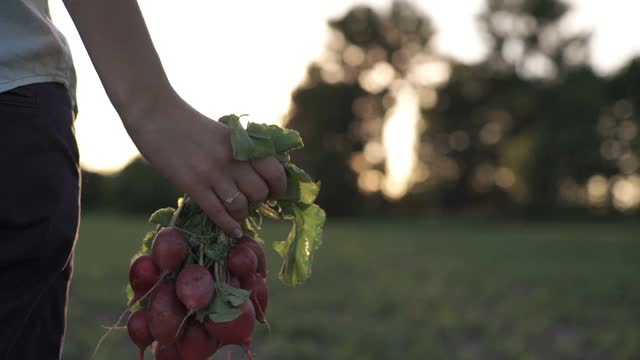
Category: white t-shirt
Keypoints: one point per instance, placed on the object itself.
(32, 49)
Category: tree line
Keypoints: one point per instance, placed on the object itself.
(531, 130)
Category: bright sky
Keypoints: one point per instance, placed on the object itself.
(247, 56)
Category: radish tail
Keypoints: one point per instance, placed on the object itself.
(264, 316)
(110, 329)
(229, 350)
(247, 351)
(141, 354)
(119, 328)
(183, 321)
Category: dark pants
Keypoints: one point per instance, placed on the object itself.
(39, 191)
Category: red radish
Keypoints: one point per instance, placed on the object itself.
(166, 313)
(194, 287)
(235, 332)
(167, 352)
(138, 329)
(143, 275)
(169, 249)
(258, 250)
(195, 343)
(241, 261)
(259, 295)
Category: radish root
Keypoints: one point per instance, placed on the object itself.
(191, 312)
(247, 351)
(110, 329)
(128, 309)
(264, 316)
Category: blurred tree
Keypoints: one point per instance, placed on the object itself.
(530, 130)
(137, 188)
(140, 188)
(341, 107)
(96, 190)
(525, 37)
(518, 131)
(619, 129)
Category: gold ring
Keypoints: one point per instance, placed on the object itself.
(233, 197)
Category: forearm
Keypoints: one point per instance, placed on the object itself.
(120, 47)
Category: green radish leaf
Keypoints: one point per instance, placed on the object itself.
(147, 241)
(195, 222)
(233, 296)
(221, 311)
(129, 293)
(309, 192)
(265, 210)
(301, 191)
(248, 230)
(304, 239)
(287, 210)
(217, 251)
(297, 173)
(260, 140)
(162, 217)
(283, 157)
(300, 186)
(262, 148)
(243, 146)
(283, 139)
(255, 220)
(193, 241)
(192, 258)
(251, 224)
(201, 315)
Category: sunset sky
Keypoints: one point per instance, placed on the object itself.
(247, 56)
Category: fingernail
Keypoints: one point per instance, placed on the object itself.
(237, 233)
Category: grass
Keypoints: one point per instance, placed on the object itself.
(410, 290)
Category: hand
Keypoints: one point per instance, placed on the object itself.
(195, 154)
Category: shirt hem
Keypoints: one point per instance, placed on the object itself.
(35, 79)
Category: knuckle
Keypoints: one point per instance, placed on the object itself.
(202, 169)
(240, 214)
(280, 182)
(263, 192)
(259, 193)
(191, 181)
(276, 175)
(235, 208)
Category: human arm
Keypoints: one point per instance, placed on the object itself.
(186, 147)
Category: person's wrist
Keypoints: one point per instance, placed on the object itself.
(146, 110)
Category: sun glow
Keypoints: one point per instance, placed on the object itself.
(399, 139)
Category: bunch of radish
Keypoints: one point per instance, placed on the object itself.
(170, 290)
(193, 289)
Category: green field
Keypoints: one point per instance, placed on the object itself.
(410, 290)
